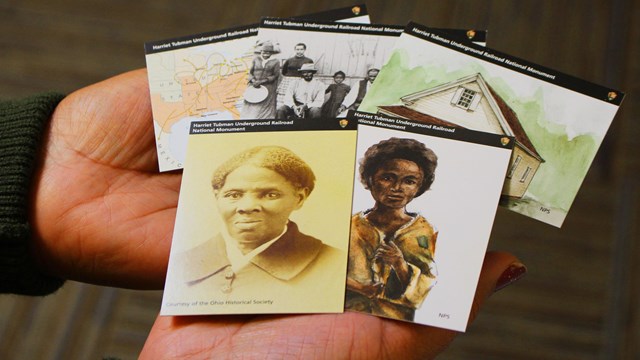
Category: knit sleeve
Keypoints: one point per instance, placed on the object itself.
(22, 124)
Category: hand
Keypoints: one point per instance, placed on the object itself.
(101, 212)
(368, 290)
(326, 336)
(372, 290)
(390, 254)
(341, 109)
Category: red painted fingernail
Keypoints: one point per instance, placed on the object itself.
(513, 273)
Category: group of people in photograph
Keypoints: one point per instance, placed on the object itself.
(291, 89)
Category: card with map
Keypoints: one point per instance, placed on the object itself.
(262, 224)
(204, 77)
(425, 198)
(558, 121)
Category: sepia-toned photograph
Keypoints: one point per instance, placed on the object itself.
(262, 225)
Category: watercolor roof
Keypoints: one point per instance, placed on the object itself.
(507, 118)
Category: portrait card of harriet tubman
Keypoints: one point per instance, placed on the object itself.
(262, 224)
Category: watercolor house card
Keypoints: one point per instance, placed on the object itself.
(204, 77)
(558, 121)
(425, 197)
(262, 224)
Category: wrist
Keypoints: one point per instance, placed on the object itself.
(22, 122)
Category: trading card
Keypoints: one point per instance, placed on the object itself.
(325, 67)
(322, 64)
(558, 121)
(425, 197)
(204, 77)
(262, 224)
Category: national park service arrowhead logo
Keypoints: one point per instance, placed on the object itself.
(505, 141)
(471, 34)
(356, 10)
(343, 123)
(612, 95)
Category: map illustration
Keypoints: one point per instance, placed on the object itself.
(197, 83)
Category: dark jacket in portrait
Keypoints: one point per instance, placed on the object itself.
(296, 272)
(293, 64)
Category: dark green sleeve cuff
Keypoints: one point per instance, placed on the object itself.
(22, 124)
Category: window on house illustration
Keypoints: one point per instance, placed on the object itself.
(466, 99)
(514, 166)
(525, 174)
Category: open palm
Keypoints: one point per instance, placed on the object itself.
(102, 212)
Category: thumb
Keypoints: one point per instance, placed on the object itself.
(499, 270)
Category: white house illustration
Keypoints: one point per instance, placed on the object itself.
(471, 103)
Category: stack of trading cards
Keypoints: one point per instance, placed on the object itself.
(331, 164)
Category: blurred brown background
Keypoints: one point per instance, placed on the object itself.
(580, 296)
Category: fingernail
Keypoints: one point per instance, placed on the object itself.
(513, 273)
